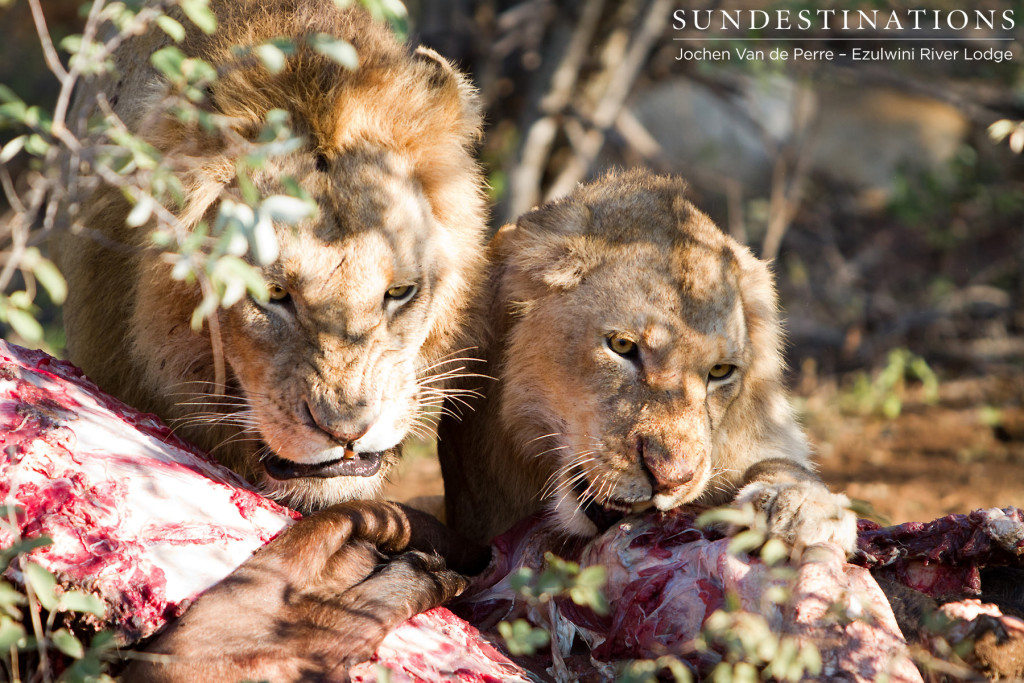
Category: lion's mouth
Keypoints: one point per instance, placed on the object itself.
(360, 465)
(604, 514)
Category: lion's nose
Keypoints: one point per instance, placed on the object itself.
(345, 429)
(667, 470)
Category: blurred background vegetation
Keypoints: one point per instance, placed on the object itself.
(894, 218)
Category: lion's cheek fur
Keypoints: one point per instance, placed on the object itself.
(758, 425)
(167, 350)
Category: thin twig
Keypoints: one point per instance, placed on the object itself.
(219, 375)
(524, 185)
(611, 103)
(9, 190)
(15, 670)
(60, 109)
(788, 191)
(49, 52)
(640, 140)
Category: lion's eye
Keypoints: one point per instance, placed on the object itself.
(721, 371)
(278, 294)
(400, 294)
(622, 345)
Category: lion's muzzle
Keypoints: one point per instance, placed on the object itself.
(668, 470)
(345, 428)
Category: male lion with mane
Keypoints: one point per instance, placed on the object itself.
(326, 379)
(638, 355)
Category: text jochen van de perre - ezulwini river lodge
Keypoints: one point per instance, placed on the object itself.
(906, 34)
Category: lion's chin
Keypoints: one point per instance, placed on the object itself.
(579, 514)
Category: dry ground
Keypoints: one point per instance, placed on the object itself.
(962, 453)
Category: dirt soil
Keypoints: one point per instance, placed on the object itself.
(965, 451)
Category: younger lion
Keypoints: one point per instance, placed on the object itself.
(637, 351)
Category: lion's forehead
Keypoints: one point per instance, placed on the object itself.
(366, 187)
(353, 266)
(703, 295)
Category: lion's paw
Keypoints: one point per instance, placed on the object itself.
(803, 513)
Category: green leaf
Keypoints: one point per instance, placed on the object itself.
(744, 673)
(285, 209)
(1017, 140)
(393, 9)
(20, 299)
(8, 95)
(383, 673)
(171, 27)
(30, 258)
(272, 56)
(67, 643)
(141, 212)
(592, 577)
(206, 308)
(587, 589)
(199, 71)
(723, 515)
(892, 406)
(168, 61)
(50, 278)
(1000, 129)
(11, 149)
(774, 551)
(103, 641)
(43, 584)
(36, 145)
(72, 44)
(10, 633)
(88, 669)
(9, 595)
(84, 603)
(13, 111)
(264, 241)
(182, 269)
(522, 638)
(25, 324)
(233, 241)
(199, 13)
(680, 673)
(238, 277)
(590, 597)
(292, 187)
(250, 193)
(520, 579)
(341, 51)
(745, 541)
(26, 545)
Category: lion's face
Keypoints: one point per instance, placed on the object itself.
(331, 367)
(628, 356)
(325, 380)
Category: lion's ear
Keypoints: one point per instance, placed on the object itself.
(547, 246)
(761, 310)
(448, 82)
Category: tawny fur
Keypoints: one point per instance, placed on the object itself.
(387, 155)
(629, 256)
